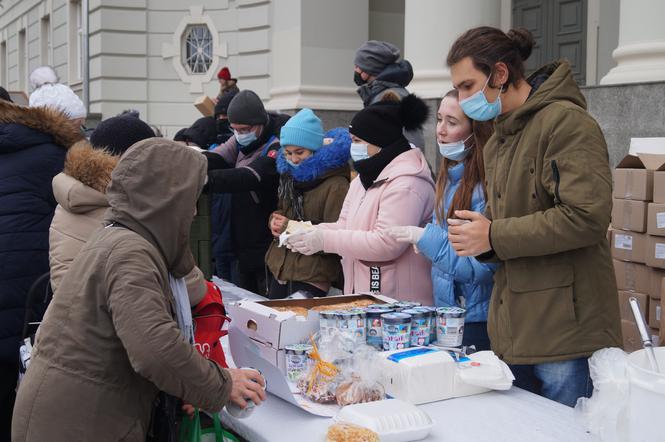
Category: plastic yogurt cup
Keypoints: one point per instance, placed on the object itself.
(375, 326)
(353, 323)
(396, 331)
(238, 412)
(432, 327)
(450, 326)
(327, 321)
(420, 326)
(399, 306)
(297, 358)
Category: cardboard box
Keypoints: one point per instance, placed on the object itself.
(655, 316)
(272, 330)
(656, 219)
(634, 175)
(632, 276)
(659, 187)
(631, 337)
(629, 246)
(629, 215)
(205, 105)
(655, 251)
(624, 305)
(656, 283)
(632, 183)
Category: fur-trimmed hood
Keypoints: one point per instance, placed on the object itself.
(81, 187)
(22, 127)
(330, 157)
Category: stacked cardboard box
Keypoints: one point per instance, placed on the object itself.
(638, 239)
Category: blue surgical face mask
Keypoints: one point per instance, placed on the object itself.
(456, 151)
(359, 151)
(245, 139)
(478, 108)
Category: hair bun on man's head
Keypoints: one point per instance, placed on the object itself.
(523, 40)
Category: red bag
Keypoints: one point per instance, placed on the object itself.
(209, 317)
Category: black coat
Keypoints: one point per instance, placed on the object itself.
(33, 144)
(254, 188)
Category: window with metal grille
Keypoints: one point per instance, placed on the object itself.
(197, 49)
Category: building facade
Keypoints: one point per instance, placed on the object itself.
(158, 56)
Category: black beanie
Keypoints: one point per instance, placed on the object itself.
(382, 123)
(180, 135)
(117, 134)
(222, 106)
(203, 132)
(247, 108)
(4, 95)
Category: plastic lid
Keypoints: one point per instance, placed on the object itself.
(387, 417)
(396, 318)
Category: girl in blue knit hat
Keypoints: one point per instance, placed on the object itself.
(314, 179)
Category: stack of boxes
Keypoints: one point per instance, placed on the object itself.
(638, 241)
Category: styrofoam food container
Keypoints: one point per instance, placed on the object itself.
(393, 420)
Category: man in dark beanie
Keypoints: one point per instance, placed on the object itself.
(245, 167)
(379, 71)
(224, 131)
(203, 133)
(117, 134)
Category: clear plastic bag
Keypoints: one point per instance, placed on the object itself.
(360, 381)
(604, 413)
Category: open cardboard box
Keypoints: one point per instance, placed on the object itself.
(259, 333)
(634, 175)
(273, 330)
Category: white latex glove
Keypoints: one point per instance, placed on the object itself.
(410, 234)
(307, 243)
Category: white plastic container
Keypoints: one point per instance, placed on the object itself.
(393, 420)
(646, 401)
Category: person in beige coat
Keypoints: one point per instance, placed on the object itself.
(80, 191)
(109, 341)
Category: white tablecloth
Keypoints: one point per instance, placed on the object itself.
(511, 416)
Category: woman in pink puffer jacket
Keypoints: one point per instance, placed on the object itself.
(394, 187)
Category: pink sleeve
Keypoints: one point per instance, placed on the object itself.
(399, 206)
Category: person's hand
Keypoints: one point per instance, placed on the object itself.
(410, 234)
(247, 385)
(307, 243)
(278, 224)
(470, 234)
(188, 410)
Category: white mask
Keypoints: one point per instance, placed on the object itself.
(456, 151)
(359, 151)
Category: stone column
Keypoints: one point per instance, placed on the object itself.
(430, 28)
(640, 55)
(314, 42)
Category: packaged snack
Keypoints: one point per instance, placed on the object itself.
(360, 381)
(320, 383)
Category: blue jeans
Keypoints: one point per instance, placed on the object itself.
(475, 333)
(563, 381)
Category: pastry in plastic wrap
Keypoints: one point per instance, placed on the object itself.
(355, 391)
(342, 432)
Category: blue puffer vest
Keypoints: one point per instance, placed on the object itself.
(457, 281)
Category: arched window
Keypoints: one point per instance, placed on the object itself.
(197, 49)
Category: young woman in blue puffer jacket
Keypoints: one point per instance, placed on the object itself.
(457, 281)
